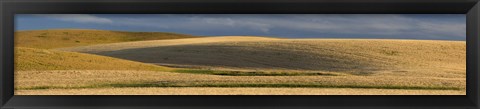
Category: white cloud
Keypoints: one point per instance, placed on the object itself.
(79, 18)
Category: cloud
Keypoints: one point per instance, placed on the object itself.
(79, 18)
(232, 22)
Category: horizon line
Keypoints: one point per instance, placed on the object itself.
(26, 30)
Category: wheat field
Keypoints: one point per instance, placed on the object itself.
(29, 59)
(55, 38)
(243, 65)
(236, 91)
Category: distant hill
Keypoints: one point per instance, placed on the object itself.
(59, 38)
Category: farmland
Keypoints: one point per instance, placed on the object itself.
(180, 64)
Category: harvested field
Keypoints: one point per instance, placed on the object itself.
(31, 59)
(71, 79)
(244, 65)
(236, 91)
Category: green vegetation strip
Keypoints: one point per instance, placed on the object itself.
(250, 73)
(120, 85)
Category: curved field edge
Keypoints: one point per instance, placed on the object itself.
(156, 43)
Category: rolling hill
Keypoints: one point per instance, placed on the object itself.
(361, 66)
(31, 59)
(351, 56)
(58, 38)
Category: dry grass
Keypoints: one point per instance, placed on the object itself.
(58, 38)
(160, 43)
(74, 79)
(236, 91)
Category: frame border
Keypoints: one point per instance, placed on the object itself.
(8, 8)
(473, 82)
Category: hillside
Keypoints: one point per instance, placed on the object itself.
(233, 64)
(351, 56)
(158, 43)
(30, 59)
(58, 38)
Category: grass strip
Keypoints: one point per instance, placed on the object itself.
(250, 73)
(122, 85)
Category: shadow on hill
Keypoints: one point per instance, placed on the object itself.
(244, 57)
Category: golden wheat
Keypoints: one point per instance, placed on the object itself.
(236, 91)
(31, 59)
(96, 78)
(56, 38)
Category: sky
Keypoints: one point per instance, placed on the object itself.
(377, 26)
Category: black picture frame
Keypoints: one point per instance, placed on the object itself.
(8, 8)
